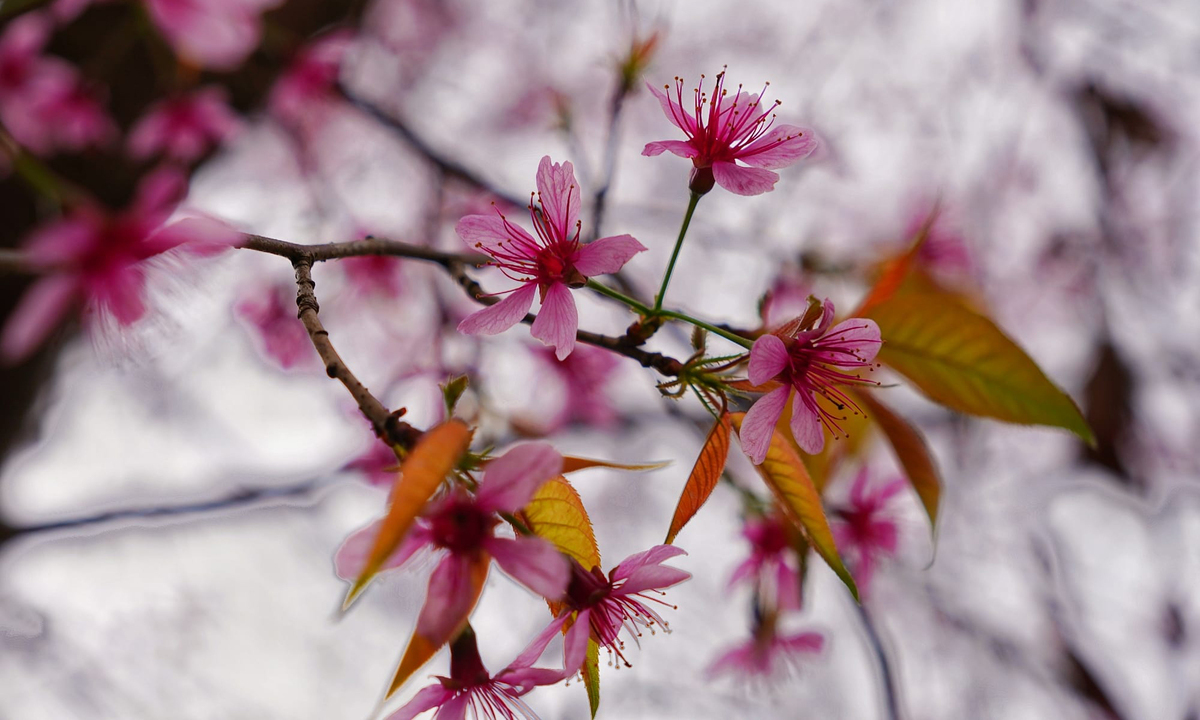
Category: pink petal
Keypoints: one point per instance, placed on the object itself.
(509, 481)
(787, 582)
(455, 708)
(606, 255)
(119, 292)
(654, 556)
(501, 316)
(859, 335)
(65, 241)
(533, 562)
(768, 358)
(535, 649)
(427, 699)
(524, 680)
(737, 661)
(38, 313)
(159, 192)
(199, 235)
(681, 148)
(449, 599)
(858, 491)
(802, 642)
(351, 557)
(557, 321)
(744, 180)
(576, 643)
(806, 425)
(674, 111)
(488, 232)
(748, 569)
(782, 146)
(652, 576)
(819, 329)
(559, 195)
(759, 424)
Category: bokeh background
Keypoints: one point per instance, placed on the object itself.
(171, 496)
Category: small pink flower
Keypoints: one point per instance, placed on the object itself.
(471, 686)
(97, 259)
(307, 84)
(185, 127)
(730, 130)
(377, 465)
(214, 34)
(600, 607)
(377, 275)
(584, 375)
(864, 532)
(73, 118)
(807, 363)
(771, 567)
(549, 265)
(271, 311)
(460, 528)
(787, 297)
(767, 655)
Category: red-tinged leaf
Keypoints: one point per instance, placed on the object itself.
(573, 464)
(911, 450)
(705, 475)
(786, 476)
(960, 359)
(896, 271)
(421, 648)
(591, 676)
(434, 456)
(556, 513)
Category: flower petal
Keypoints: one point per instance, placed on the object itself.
(768, 358)
(559, 195)
(654, 556)
(557, 321)
(501, 316)
(674, 111)
(806, 424)
(66, 241)
(681, 148)
(510, 480)
(759, 424)
(802, 642)
(455, 708)
(451, 595)
(744, 180)
(199, 235)
(787, 589)
(489, 232)
(859, 336)
(35, 317)
(350, 558)
(575, 644)
(782, 146)
(606, 255)
(533, 562)
(535, 648)
(120, 292)
(652, 576)
(427, 699)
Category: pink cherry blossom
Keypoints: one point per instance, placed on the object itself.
(214, 34)
(807, 363)
(729, 131)
(97, 259)
(549, 265)
(306, 86)
(767, 655)
(600, 607)
(471, 686)
(461, 529)
(771, 567)
(864, 531)
(787, 297)
(377, 275)
(185, 127)
(271, 312)
(584, 375)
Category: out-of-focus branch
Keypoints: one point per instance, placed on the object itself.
(885, 668)
(13, 262)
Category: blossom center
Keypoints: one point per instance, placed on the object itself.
(461, 527)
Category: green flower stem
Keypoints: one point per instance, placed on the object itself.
(620, 297)
(731, 337)
(687, 219)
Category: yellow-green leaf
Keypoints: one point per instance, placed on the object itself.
(434, 456)
(960, 359)
(705, 475)
(785, 475)
(573, 464)
(591, 675)
(556, 513)
(911, 451)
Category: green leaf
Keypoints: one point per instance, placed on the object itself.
(452, 390)
(960, 359)
(591, 676)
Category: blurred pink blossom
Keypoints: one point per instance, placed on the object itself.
(377, 275)
(471, 686)
(97, 259)
(600, 607)
(550, 265)
(864, 531)
(304, 90)
(461, 528)
(214, 34)
(271, 312)
(377, 465)
(787, 298)
(771, 567)
(767, 655)
(808, 362)
(733, 130)
(584, 375)
(185, 127)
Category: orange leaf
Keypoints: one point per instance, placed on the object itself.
(911, 450)
(960, 359)
(556, 513)
(421, 648)
(896, 271)
(705, 475)
(785, 474)
(434, 456)
(572, 464)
